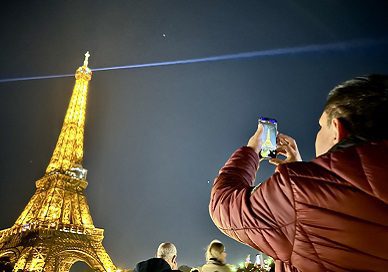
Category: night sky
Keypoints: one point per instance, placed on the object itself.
(155, 138)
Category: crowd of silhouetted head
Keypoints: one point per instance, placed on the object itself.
(215, 259)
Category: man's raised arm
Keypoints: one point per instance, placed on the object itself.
(261, 217)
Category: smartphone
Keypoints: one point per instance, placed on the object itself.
(268, 138)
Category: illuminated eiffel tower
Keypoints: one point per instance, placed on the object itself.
(55, 229)
(267, 145)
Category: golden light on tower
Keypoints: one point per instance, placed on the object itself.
(55, 229)
(68, 152)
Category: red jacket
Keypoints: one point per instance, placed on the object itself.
(330, 214)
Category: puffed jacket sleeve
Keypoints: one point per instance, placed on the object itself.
(262, 217)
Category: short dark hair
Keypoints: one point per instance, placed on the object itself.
(361, 105)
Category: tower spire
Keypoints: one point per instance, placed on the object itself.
(86, 62)
(68, 153)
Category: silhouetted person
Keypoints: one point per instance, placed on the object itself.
(329, 214)
(215, 259)
(165, 260)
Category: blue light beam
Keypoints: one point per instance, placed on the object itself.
(315, 48)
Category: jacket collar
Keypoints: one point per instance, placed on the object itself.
(348, 142)
(214, 261)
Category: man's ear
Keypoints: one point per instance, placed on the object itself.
(339, 130)
(174, 265)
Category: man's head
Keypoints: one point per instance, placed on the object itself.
(167, 251)
(357, 107)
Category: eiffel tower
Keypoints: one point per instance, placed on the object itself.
(55, 229)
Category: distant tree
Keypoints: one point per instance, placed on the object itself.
(184, 268)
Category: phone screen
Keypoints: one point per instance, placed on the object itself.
(268, 138)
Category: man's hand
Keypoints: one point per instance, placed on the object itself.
(288, 148)
(255, 141)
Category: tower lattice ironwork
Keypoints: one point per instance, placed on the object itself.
(55, 229)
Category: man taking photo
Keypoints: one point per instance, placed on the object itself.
(330, 214)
